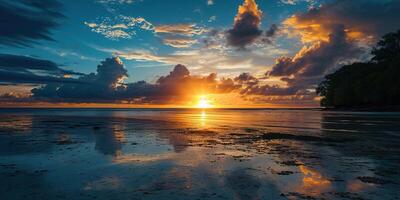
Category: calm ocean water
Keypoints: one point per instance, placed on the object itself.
(198, 154)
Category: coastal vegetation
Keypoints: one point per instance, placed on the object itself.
(375, 83)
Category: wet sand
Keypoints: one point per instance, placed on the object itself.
(198, 154)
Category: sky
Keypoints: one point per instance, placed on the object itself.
(219, 53)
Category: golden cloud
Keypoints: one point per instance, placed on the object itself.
(180, 29)
(246, 26)
(249, 7)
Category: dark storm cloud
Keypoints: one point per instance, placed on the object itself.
(7, 77)
(246, 27)
(318, 59)
(22, 69)
(250, 85)
(246, 79)
(244, 32)
(107, 85)
(311, 64)
(366, 17)
(104, 84)
(23, 63)
(23, 22)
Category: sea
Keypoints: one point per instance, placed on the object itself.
(198, 154)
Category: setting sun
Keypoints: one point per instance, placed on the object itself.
(203, 102)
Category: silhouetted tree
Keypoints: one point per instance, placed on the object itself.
(388, 48)
(376, 83)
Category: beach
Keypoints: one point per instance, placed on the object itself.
(198, 154)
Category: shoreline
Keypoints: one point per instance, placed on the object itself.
(364, 109)
(338, 109)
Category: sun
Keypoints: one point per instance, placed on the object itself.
(203, 102)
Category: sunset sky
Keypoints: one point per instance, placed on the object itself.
(197, 53)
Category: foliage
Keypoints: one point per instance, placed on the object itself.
(375, 83)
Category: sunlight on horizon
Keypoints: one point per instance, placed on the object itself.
(204, 102)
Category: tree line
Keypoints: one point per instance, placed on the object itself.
(375, 83)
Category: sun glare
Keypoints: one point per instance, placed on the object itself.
(204, 102)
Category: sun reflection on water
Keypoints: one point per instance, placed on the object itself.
(203, 118)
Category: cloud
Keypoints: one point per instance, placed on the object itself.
(125, 27)
(120, 27)
(67, 53)
(210, 2)
(23, 69)
(113, 6)
(12, 96)
(179, 42)
(272, 30)
(180, 29)
(215, 39)
(179, 87)
(319, 58)
(17, 62)
(246, 81)
(333, 34)
(246, 27)
(116, 1)
(270, 34)
(25, 22)
(179, 35)
(311, 3)
(362, 20)
(101, 85)
(308, 67)
(212, 19)
(107, 85)
(207, 60)
(250, 87)
(19, 77)
(271, 90)
(8, 97)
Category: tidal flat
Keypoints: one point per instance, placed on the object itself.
(198, 154)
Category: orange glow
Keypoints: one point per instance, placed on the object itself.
(158, 106)
(317, 30)
(214, 101)
(249, 6)
(313, 180)
(309, 31)
(204, 102)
